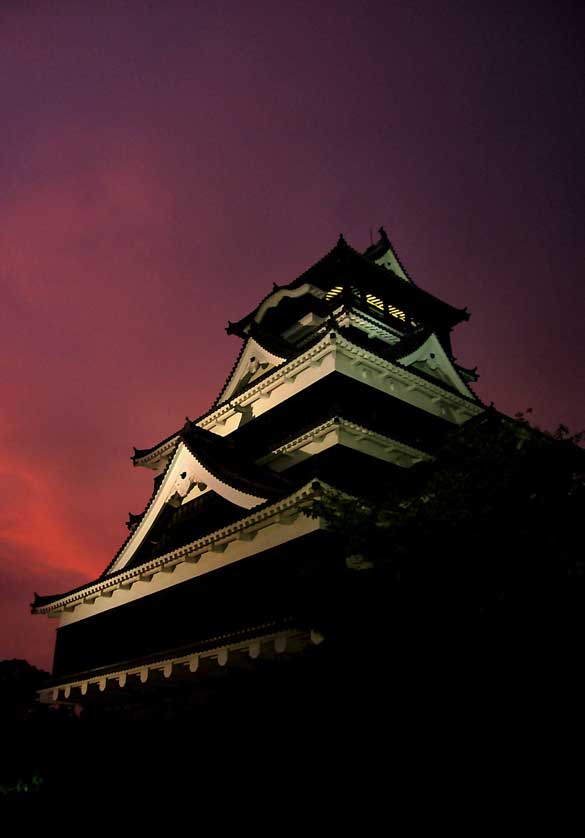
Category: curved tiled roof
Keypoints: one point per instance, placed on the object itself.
(344, 260)
(240, 515)
(232, 328)
(408, 343)
(140, 453)
(224, 458)
(325, 272)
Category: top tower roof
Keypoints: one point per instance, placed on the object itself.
(375, 277)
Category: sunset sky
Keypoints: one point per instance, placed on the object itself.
(163, 163)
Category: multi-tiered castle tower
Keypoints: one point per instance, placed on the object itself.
(345, 378)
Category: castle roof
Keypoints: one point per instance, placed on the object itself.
(229, 530)
(224, 458)
(343, 265)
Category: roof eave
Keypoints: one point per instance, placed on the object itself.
(57, 602)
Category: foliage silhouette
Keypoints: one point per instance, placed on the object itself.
(489, 528)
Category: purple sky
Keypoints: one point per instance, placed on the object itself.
(162, 164)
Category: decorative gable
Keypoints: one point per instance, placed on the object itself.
(390, 261)
(185, 479)
(384, 255)
(432, 359)
(253, 362)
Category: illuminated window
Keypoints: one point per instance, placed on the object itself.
(372, 300)
(375, 301)
(396, 312)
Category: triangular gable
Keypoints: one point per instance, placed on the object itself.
(383, 254)
(432, 359)
(185, 479)
(254, 361)
(391, 261)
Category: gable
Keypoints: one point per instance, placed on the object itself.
(185, 479)
(254, 361)
(432, 359)
(390, 261)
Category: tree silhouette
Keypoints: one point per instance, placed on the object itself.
(489, 531)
